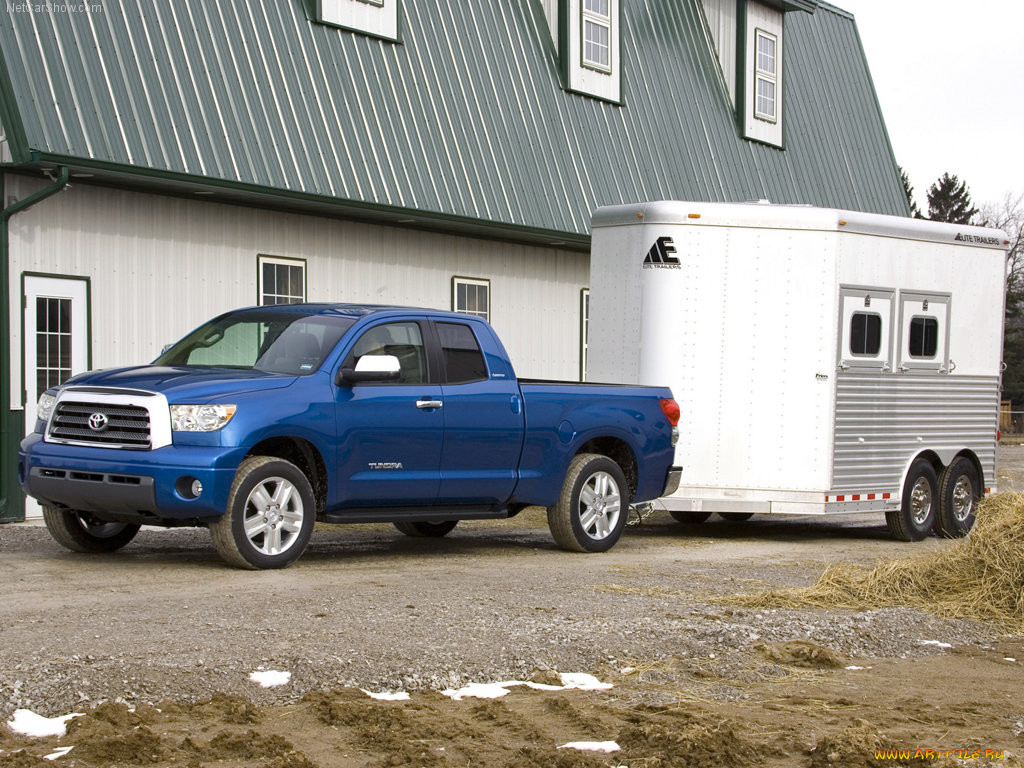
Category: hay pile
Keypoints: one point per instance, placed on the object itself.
(979, 577)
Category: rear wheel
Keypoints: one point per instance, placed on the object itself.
(690, 518)
(736, 517)
(81, 532)
(920, 500)
(959, 496)
(270, 515)
(592, 509)
(422, 529)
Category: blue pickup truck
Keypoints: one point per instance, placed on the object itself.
(265, 420)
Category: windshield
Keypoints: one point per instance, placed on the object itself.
(275, 342)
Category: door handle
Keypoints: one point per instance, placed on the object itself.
(428, 404)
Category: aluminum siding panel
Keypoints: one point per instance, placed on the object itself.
(884, 421)
(466, 117)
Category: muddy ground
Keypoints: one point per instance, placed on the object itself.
(156, 645)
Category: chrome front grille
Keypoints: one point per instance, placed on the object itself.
(103, 424)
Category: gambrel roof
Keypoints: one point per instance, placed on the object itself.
(462, 124)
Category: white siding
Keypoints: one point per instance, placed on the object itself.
(551, 13)
(159, 266)
(721, 20)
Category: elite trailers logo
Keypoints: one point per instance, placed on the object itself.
(660, 256)
(963, 238)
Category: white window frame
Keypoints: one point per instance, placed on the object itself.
(769, 76)
(584, 330)
(602, 21)
(262, 295)
(475, 282)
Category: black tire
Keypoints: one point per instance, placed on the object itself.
(592, 509)
(736, 517)
(919, 504)
(689, 518)
(81, 532)
(421, 529)
(255, 532)
(959, 496)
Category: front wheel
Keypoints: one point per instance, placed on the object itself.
(421, 529)
(81, 532)
(592, 508)
(270, 515)
(959, 496)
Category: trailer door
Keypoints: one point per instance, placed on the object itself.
(866, 328)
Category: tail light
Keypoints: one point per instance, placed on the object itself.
(671, 410)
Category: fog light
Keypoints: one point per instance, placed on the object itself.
(188, 487)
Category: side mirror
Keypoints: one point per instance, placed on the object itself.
(372, 368)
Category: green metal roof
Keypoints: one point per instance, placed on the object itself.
(464, 121)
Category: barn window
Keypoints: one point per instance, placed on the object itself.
(765, 76)
(472, 296)
(281, 281)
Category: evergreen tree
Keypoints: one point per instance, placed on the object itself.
(949, 200)
(909, 192)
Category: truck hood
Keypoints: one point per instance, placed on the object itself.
(182, 384)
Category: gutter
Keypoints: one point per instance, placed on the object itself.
(8, 432)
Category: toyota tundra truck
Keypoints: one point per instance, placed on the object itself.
(265, 420)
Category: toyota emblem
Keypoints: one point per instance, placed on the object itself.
(98, 422)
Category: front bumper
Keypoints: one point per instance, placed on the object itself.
(148, 485)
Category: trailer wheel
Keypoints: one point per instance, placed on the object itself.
(81, 532)
(592, 509)
(959, 495)
(919, 504)
(690, 518)
(270, 515)
(736, 517)
(423, 529)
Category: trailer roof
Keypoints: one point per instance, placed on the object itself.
(764, 215)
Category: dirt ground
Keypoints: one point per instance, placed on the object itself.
(155, 645)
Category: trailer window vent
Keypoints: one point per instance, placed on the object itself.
(865, 334)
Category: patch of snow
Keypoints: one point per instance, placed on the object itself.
(592, 746)
(387, 695)
(480, 691)
(570, 681)
(854, 667)
(58, 752)
(937, 643)
(270, 678)
(583, 681)
(1008, 658)
(28, 723)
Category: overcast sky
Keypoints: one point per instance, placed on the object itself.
(950, 79)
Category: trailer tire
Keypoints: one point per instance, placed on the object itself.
(689, 518)
(959, 495)
(81, 532)
(736, 517)
(270, 515)
(592, 509)
(919, 503)
(420, 529)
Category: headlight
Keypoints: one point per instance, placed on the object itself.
(44, 409)
(200, 418)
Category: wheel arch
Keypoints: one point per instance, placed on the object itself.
(928, 455)
(972, 457)
(304, 455)
(619, 451)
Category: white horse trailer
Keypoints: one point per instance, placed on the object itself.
(825, 361)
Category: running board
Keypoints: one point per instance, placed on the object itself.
(417, 514)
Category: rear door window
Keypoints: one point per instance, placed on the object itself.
(463, 360)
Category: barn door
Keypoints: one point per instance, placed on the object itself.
(56, 340)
